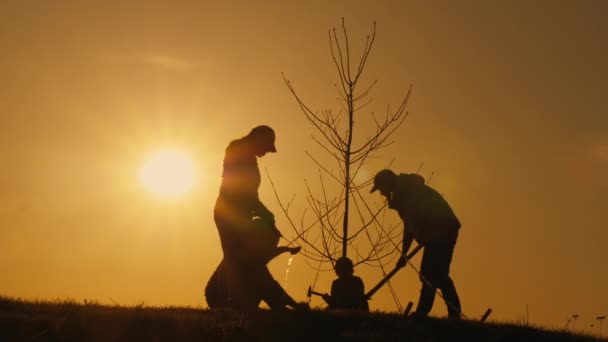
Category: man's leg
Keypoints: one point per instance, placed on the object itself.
(452, 301)
(444, 254)
(425, 301)
(451, 298)
(427, 292)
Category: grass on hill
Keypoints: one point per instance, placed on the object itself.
(22, 320)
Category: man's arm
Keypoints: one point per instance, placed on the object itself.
(407, 243)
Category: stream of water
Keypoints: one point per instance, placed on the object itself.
(287, 270)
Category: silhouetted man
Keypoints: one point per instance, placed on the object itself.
(247, 231)
(347, 291)
(431, 222)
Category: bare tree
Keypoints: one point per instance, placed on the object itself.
(332, 234)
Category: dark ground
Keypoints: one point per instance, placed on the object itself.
(71, 321)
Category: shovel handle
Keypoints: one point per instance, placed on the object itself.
(387, 277)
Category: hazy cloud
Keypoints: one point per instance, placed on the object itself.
(168, 62)
(599, 153)
(592, 164)
(158, 60)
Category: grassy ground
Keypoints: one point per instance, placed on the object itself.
(71, 321)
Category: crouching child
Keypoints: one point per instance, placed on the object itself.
(347, 291)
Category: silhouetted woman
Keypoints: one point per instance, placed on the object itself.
(246, 227)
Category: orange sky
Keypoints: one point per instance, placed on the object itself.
(508, 111)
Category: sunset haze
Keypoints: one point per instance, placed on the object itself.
(508, 118)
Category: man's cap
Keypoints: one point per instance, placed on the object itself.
(266, 135)
(382, 179)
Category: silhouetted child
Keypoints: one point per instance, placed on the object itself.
(347, 292)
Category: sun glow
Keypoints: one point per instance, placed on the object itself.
(168, 173)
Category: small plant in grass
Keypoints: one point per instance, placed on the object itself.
(600, 319)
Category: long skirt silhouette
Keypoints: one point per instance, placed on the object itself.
(242, 280)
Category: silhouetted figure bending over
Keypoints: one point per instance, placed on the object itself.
(347, 292)
(247, 231)
(431, 222)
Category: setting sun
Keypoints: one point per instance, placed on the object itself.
(168, 173)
